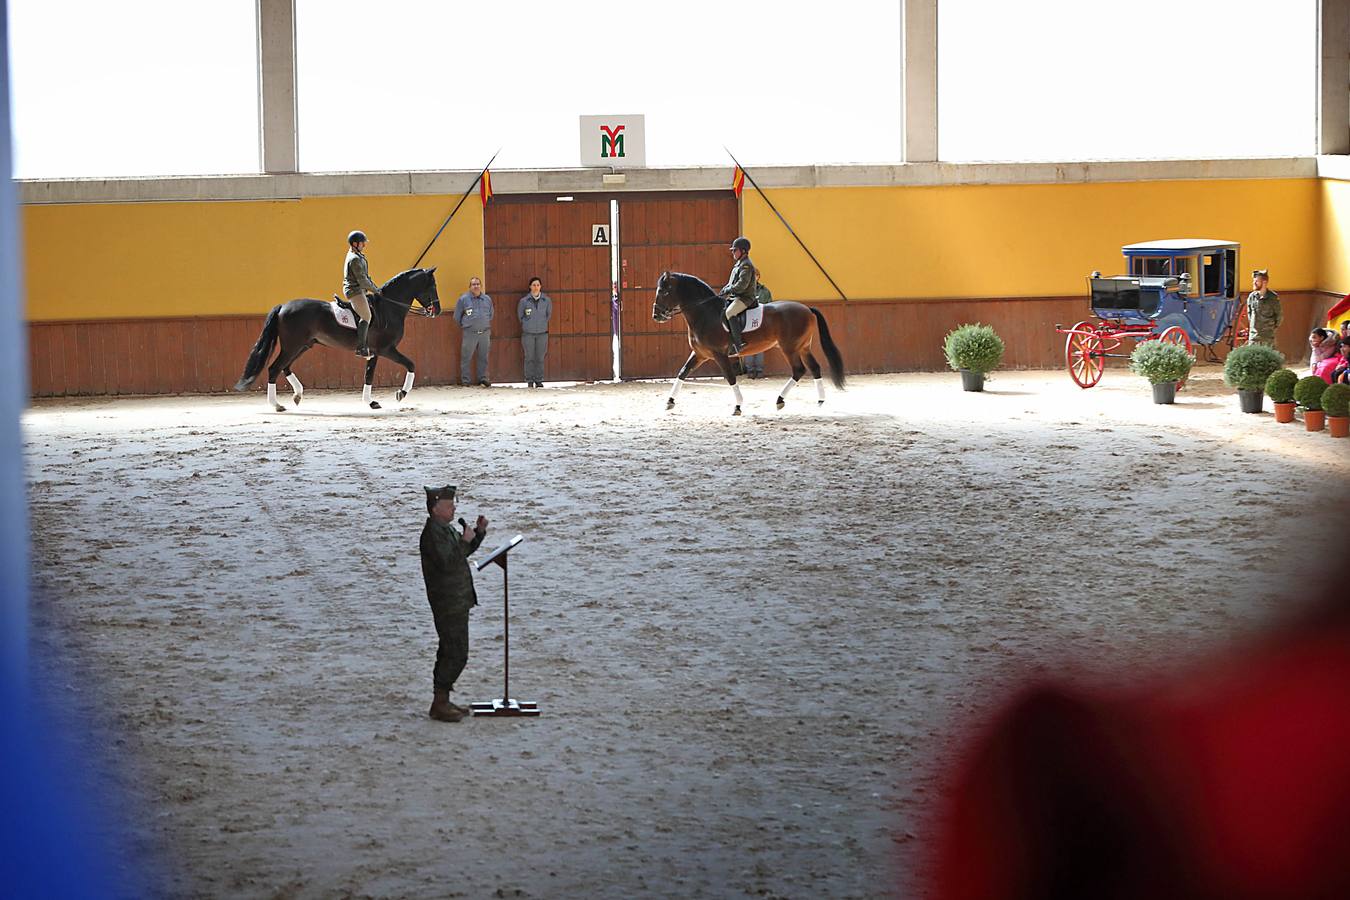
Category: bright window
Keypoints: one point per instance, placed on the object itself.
(138, 87)
(416, 85)
(1149, 79)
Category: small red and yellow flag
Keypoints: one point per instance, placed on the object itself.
(738, 182)
(485, 187)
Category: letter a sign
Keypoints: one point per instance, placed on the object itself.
(614, 141)
(599, 235)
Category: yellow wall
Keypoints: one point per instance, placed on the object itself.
(1032, 240)
(122, 260)
(1335, 234)
(97, 260)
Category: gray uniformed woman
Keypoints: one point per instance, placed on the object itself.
(740, 290)
(356, 284)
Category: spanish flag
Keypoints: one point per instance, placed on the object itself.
(485, 187)
(738, 182)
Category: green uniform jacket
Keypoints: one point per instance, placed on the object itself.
(356, 275)
(742, 282)
(1265, 315)
(445, 567)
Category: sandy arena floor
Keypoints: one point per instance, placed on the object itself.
(754, 640)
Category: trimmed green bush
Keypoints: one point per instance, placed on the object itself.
(975, 347)
(1280, 385)
(1308, 392)
(1161, 361)
(1247, 367)
(1336, 400)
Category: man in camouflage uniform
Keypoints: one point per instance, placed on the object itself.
(740, 290)
(445, 569)
(1263, 310)
(356, 284)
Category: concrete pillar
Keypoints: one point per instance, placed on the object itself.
(1333, 76)
(918, 77)
(278, 152)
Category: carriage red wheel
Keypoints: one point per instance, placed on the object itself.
(1240, 333)
(1177, 335)
(1085, 355)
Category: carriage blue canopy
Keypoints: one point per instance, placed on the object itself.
(1188, 282)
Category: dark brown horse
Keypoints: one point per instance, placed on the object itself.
(787, 325)
(300, 324)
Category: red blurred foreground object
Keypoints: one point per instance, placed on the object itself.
(1232, 783)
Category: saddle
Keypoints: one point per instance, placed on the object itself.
(342, 312)
(750, 320)
(346, 316)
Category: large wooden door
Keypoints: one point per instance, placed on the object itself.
(683, 233)
(525, 236)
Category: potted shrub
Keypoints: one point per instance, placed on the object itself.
(1308, 394)
(1247, 368)
(1280, 390)
(1163, 364)
(974, 351)
(1336, 404)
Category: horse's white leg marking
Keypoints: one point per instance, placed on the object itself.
(407, 382)
(675, 388)
(272, 394)
(296, 386)
(820, 391)
(365, 393)
(792, 383)
(736, 389)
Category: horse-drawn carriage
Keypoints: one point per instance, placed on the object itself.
(1182, 291)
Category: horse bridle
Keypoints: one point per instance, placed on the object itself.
(666, 312)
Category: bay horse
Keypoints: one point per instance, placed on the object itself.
(300, 324)
(788, 325)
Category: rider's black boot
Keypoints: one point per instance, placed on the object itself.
(361, 348)
(734, 326)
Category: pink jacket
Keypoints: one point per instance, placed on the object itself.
(1324, 368)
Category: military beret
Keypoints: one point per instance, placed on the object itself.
(440, 493)
(1260, 273)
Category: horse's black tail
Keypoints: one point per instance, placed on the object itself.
(261, 350)
(831, 351)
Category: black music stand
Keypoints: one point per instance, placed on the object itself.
(504, 705)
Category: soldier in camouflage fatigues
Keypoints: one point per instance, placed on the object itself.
(1264, 314)
(450, 591)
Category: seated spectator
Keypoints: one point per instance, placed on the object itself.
(1324, 344)
(1326, 369)
(1341, 374)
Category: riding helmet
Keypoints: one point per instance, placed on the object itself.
(356, 236)
(741, 243)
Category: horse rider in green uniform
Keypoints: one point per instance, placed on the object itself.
(356, 285)
(1264, 314)
(739, 292)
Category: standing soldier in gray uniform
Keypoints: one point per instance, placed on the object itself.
(356, 284)
(445, 569)
(740, 290)
(1263, 310)
(534, 310)
(754, 364)
(473, 312)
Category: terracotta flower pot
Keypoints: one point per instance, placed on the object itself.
(1314, 419)
(1339, 426)
(1284, 412)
